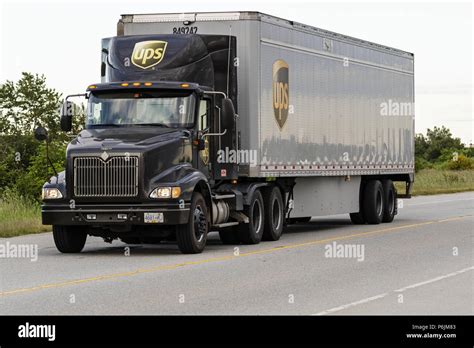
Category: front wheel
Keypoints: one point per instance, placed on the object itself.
(69, 239)
(192, 237)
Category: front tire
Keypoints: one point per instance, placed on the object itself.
(373, 202)
(69, 239)
(252, 232)
(192, 237)
(274, 215)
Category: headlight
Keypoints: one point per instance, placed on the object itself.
(51, 193)
(165, 192)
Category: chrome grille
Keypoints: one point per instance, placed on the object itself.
(116, 177)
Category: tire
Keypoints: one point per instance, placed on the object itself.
(274, 214)
(69, 239)
(131, 240)
(357, 218)
(372, 202)
(192, 237)
(389, 201)
(301, 220)
(252, 232)
(230, 236)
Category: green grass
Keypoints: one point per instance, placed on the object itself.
(18, 217)
(435, 181)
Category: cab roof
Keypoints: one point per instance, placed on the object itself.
(168, 85)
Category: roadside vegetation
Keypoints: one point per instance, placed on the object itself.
(25, 105)
(443, 164)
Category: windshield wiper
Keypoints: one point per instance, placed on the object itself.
(106, 125)
(153, 124)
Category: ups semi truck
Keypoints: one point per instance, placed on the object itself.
(235, 122)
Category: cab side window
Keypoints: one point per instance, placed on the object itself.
(203, 114)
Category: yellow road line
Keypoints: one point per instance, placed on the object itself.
(224, 258)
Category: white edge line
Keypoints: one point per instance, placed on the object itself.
(376, 297)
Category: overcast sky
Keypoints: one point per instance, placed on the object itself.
(61, 39)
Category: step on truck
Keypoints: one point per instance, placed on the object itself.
(234, 122)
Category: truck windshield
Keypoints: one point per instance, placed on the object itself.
(140, 108)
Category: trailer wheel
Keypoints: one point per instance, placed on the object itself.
(300, 220)
(389, 201)
(192, 237)
(373, 207)
(69, 239)
(252, 232)
(274, 216)
(357, 218)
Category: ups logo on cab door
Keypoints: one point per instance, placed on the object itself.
(147, 54)
(280, 92)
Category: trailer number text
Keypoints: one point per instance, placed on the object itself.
(185, 30)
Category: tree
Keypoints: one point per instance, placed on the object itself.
(439, 139)
(24, 105)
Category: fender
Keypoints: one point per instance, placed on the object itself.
(246, 188)
(185, 176)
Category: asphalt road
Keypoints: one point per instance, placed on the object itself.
(422, 263)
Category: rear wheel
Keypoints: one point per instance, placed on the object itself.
(69, 239)
(252, 232)
(373, 207)
(357, 218)
(389, 200)
(273, 206)
(131, 240)
(300, 220)
(192, 237)
(230, 236)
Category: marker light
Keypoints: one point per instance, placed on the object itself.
(185, 85)
(148, 84)
(136, 83)
(125, 84)
(92, 86)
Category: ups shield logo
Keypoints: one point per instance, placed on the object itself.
(147, 54)
(280, 92)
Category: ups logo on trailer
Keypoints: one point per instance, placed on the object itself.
(280, 92)
(148, 53)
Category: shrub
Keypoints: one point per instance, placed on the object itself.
(462, 162)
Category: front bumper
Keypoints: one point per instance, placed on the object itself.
(108, 214)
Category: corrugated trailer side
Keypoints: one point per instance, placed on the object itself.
(338, 113)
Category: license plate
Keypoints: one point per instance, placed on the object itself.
(153, 218)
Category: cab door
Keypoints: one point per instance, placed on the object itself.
(204, 127)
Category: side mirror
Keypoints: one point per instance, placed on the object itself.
(228, 115)
(66, 116)
(41, 134)
(201, 144)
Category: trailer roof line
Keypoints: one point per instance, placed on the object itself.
(250, 15)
